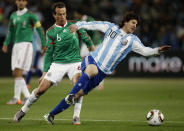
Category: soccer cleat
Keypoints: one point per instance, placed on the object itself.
(76, 121)
(18, 116)
(49, 118)
(24, 100)
(14, 101)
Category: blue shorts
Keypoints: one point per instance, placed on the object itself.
(95, 80)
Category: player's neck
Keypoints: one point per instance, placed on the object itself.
(21, 12)
(21, 9)
(61, 24)
(125, 29)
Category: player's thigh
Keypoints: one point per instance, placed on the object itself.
(74, 69)
(56, 73)
(22, 56)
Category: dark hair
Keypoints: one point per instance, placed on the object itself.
(57, 5)
(129, 16)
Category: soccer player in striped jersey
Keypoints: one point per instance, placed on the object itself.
(21, 28)
(117, 43)
(95, 37)
(61, 57)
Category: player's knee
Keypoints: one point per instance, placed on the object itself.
(91, 70)
(76, 78)
(17, 72)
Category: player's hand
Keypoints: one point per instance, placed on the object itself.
(164, 48)
(5, 49)
(73, 28)
(44, 48)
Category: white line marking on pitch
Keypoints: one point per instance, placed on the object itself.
(93, 120)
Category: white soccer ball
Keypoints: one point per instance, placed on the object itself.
(155, 117)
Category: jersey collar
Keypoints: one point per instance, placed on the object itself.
(60, 25)
(123, 32)
(21, 12)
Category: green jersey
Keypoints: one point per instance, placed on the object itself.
(63, 46)
(21, 28)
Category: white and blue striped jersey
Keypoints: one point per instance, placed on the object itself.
(115, 45)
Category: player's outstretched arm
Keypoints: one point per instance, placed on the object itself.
(164, 48)
(73, 28)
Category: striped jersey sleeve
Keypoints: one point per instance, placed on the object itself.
(95, 25)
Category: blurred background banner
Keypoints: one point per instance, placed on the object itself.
(162, 23)
(170, 64)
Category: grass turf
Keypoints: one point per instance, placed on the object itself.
(122, 105)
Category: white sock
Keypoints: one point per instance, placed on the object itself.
(32, 98)
(17, 88)
(24, 89)
(77, 107)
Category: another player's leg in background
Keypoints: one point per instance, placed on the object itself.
(20, 86)
(78, 104)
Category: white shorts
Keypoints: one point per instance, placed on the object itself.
(22, 54)
(84, 50)
(57, 71)
(40, 62)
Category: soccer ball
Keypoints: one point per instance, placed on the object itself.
(155, 117)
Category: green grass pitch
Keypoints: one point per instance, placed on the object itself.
(121, 106)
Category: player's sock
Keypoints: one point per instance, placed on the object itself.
(59, 108)
(39, 72)
(77, 107)
(24, 89)
(82, 82)
(17, 88)
(32, 98)
(28, 76)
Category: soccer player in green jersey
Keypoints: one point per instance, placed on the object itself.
(62, 57)
(21, 26)
(79, 14)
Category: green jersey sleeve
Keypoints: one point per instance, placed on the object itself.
(39, 28)
(85, 37)
(48, 58)
(9, 36)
